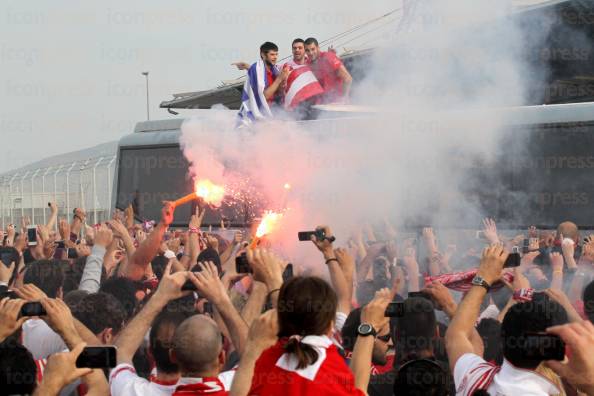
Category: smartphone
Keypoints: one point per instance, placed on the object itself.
(9, 255)
(542, 346)
(97, 357)
(288, 272)
(514, 259)
(32, 309)
(526, 245)
(60, 245)
(11, 294)
(241, 264)
(32, 235)
(394, 310)
(480, 235)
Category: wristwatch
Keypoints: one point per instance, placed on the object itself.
(365, 329)
(479, 281)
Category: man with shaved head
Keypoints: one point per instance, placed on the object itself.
(198, 351)
(190, 358)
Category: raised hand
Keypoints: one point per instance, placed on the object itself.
(9, 316)
(491, 264)
(579, 369)
(374, 312)
(171, 284)
(64, 229)
(325, 245)
(208, 283)
(6, 272)
(442, 297)
(103, 236)
(263, 331)
(167, 213)
(30, 292)
(61, 370)
(556, 261)
(59, 317)
(490, 230)
(267, 267)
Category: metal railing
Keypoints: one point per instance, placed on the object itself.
(85, 184)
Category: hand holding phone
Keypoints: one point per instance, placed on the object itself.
(97, 357)
(395, 310)
(32, 235)
(33, 309)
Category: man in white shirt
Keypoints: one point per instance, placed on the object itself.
(517, 375)
(196, 344)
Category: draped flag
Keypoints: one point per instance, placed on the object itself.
(301, 85)
(254, 106)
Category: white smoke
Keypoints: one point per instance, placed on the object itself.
(432, 86)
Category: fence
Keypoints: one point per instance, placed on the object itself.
(78, 184)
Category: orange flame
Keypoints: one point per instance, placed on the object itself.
(268, 223)
(211, 193)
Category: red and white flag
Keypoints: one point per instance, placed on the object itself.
(301, 85)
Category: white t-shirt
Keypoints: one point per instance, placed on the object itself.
(40, 339)
(123, 381)
(472, 372)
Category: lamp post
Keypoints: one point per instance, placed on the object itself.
(145, 74)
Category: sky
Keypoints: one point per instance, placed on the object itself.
(71, 71)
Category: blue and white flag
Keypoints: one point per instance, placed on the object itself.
(254, 106)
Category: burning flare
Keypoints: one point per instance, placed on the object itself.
(211, 193)
(268, 223)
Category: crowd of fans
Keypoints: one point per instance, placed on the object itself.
(382, 315)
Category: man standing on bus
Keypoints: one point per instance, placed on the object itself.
(298, 50)
(330, 72)
(263, 88)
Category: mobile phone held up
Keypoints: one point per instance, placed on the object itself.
(32, 235)
(395, 310)
(97, 357)
(319, 233)
(241, 264)
(513, 259)
(32, 309)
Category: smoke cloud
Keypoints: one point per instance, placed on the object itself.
(409, 160)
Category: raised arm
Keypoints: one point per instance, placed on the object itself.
(150, 246)
(91, 277)
(261, 336)
(337, 276)
(458, 335)
(51, 223)
(132, 335)
(270, 91)
(210, 286)
(267, 269)
(347, 80)
(373, 314)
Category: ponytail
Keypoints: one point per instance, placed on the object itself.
(305, 354)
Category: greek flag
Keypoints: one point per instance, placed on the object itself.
(254, 106)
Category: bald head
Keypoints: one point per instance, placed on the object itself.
(197, 345)
(568, 230)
